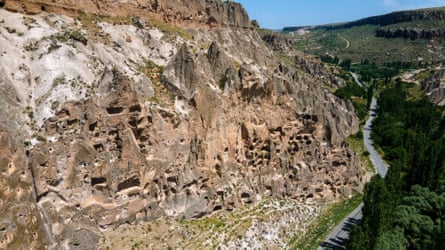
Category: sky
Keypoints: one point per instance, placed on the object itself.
(281, 13)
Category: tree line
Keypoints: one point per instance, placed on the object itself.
(406, 210)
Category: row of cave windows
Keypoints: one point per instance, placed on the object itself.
(2, 4)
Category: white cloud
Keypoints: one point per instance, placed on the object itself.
(391, 4)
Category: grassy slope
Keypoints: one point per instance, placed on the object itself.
(365, 45)
(331, 217)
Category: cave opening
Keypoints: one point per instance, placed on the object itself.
(135, 108)
(2, 4)
(131, 182)
(98, 180)
(115, 110)
(43, 8)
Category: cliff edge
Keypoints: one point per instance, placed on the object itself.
(195, 13)
(109, 121)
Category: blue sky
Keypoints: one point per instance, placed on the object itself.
(280, 13)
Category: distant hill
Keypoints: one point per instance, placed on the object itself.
(414, 36)
(431, 14)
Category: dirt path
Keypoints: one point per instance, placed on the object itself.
(346, 40)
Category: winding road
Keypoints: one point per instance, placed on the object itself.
(338, 237)
(377, 161)
(354, 75)
(346, 40)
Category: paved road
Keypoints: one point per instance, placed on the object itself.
(376, 160)
(354, 75)
(339, 235)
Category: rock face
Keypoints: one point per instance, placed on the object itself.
(435, 88)
(20, 223)
(278, 41)
(152, 123)
(413, 34)
(196, 13)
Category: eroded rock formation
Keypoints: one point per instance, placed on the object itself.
(413, 34)
(152, 124)
(279, 41)
(20, 223)
(196, 13)
(434, 87)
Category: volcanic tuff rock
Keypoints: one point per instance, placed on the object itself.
(413, 34)
(20, 222)
(156, 121)
(435, 87)
(278, 41)
(197, 13)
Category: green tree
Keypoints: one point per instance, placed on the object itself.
(392, 240)
(376, 210)
(358, 239)
(346, 64)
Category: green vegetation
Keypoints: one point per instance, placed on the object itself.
(406, 210)
(91, 23)
(222, 83)
(416, 24)
(357, 145)
(58, 80)
(39, 137)
(356, 94)
(168, 29)
(75, 35)
(363, 44)
(372, 71)
(414, 92)
(10, 30)
(424, 74)
(325, 223)
(163, 95)
(221, 227)
(151, 69)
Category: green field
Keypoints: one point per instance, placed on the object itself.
(364, 45)
(357, 40)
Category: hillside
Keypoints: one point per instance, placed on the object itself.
(119, 118)
(414, 37)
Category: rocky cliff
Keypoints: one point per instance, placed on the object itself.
(197, 13)
(107, 123)
(412, 33)
(278, 41)
(435, 87)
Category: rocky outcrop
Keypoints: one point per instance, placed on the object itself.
(153, 124)
(434, 87)
(196, 13)
(21, 225)
(121, 160)
(272, 224)
(413, 34)
(278, 41)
